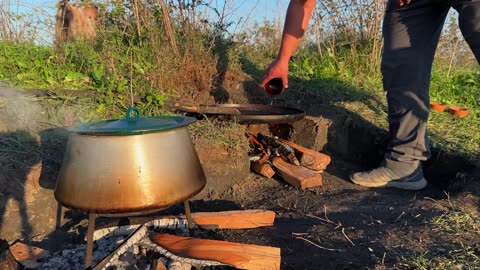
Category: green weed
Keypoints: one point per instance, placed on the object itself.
(457, 219)
(464, 257)
(226, 133)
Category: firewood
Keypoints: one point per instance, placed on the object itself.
(238, 255)
(7, 260)
(149, 245)
(28, 255)
(298, 176)
(158, 265)
(309, 158)
(238, 219)
(263, 169)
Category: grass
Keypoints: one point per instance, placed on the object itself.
(460, 222)
(457, 219)
(463, 257)
(226, 133)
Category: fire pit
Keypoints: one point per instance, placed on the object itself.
(127, 167)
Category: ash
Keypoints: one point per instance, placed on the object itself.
(74, 257)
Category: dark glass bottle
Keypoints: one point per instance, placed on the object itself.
(274, 87)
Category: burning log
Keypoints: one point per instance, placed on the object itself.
(241, 256)
(161, 223)
(282, 154)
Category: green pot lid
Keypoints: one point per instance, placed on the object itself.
(132, 124)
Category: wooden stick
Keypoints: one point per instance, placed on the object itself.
(237, 255)
(309, 158)
(298, 176)
(263, 169)
(318, 246)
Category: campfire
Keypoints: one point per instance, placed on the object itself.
(162, 243)
(179, 242)
(297, 165)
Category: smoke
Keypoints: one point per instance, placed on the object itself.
(19, 111)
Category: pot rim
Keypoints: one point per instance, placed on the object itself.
(94, 128)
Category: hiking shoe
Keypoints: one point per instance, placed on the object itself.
(385, 177)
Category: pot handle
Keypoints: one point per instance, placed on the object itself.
(135, 111)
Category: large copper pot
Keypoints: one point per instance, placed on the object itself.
(134, 165)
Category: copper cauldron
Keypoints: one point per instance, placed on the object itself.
(129, 166)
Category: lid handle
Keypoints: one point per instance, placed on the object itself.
(133, 111)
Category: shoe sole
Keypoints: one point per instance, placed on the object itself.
(417, 185)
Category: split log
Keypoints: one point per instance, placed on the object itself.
(148, 244)
(158, 265)
(240, 219)
(263, 169)
(238, 255)
(7, 261)
(309, 158)
(298, 176)
(27, 255)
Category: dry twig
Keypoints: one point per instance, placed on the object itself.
(399, 217)
(343, 231)
(312, 243)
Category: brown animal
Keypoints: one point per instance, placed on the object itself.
(75, 22)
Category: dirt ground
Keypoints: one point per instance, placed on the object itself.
(338, 225)
(343, 226)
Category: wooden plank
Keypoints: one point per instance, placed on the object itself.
(238, 219)
(263, 169)
(7, 261)
(28, 255)
(238, 255)
(298, 176)
(309, 158)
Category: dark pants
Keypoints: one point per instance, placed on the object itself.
(411, 35)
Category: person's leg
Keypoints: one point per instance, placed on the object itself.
(469, 22)
(411, 35)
